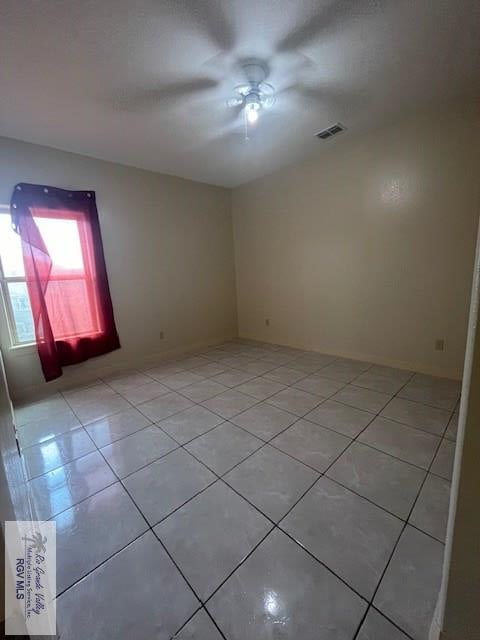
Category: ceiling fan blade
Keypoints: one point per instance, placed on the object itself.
(333, 97)
(213, 21)
(229, 127)
(234, 102)
(163, 95)
(213, 109)
(335, 15)
(234, 114)
(287, 89)
(220, 63)
(227, 134)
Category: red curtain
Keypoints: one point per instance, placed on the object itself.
(65, 274)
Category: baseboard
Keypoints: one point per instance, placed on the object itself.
(454, 374)
(39, 391)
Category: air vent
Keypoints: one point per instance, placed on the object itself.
(330, 131)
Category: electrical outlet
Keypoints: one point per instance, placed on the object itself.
(162, 335)
(267, 322)
(439, 345)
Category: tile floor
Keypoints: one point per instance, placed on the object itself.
(249, 491)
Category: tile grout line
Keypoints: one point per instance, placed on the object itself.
(150, 529)
(100, 564)
(330, 397)
(324, 475)
(238, 426)
(218, 477)
(277, 525)
(406, 523)
(171, 390)
(208, 614)
(362, 620)
(264, 443)
(361, 496)
(244, 459)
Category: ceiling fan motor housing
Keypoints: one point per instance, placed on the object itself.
(255, 71)
(253, 100)
(254, 94)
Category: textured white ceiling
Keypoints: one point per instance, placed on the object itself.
(144, 82)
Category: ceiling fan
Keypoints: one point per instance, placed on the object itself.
(255, 94)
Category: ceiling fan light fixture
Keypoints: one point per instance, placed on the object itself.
(255, 95)
(252, 107)
(252, 113)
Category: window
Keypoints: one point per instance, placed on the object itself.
(70, 295)
(62, 268)
(13, 284)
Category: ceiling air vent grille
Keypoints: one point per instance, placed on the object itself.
(330, 131)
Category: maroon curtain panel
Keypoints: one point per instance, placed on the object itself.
(65, 274)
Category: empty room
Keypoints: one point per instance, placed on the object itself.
(239, 333)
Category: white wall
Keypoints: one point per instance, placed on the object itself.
(367, 250)
(168, 248)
